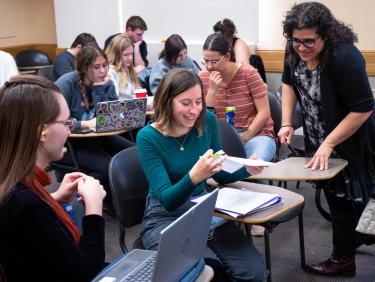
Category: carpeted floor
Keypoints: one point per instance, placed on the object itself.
(285, 254)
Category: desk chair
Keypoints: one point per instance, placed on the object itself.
(291, 207)
(47, 72)
(129, 189)
(230, 140)
(32, 60)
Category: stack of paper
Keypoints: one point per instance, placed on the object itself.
(237, 203)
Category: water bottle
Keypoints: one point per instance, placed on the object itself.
(230, 113)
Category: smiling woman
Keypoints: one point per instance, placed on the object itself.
(34, 121)
(320, 63)
(176, 153)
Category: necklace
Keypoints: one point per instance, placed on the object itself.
(182, 143)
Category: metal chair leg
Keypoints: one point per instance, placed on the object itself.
(267, 253)
(72, 154)
(301, 240)
(122, 238)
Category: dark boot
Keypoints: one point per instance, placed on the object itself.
(343, 266)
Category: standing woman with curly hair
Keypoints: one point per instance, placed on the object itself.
(82, 90)
(326, 74)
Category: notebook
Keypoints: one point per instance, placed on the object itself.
(182, 244)
(120, 114)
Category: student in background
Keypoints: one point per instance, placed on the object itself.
(184, 130)
(8, 67)
(230, 84)
(82, 90)
(66, 61)
(38, 239)
(321, 63)
(241, 52)
(121, 70)
(135, 28)
(174, 55)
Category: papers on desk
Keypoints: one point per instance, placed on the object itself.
(232, 164)
(237, 203)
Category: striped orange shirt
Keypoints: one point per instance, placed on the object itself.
(246, 86)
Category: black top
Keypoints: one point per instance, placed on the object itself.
(36, 245)
(344, 88)
(64, 62)
(142, 48)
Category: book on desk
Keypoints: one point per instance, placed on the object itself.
(239, 203)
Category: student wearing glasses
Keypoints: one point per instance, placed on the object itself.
(231, 84)
(174, 55)
(326, 74)
(38, 239)
(82, 90)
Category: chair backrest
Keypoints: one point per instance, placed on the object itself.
(47, 72)
(257, 62)
(275, 108)
(230, 140)
(32, 58)
(129, 186)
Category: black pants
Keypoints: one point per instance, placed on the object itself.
(93, 156)
(345, 215)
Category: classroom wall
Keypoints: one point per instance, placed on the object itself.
(25, 22)
(359, 14)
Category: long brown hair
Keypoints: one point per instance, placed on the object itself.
(85, 59)
(27, 102)
(174, 83)
(114, 52)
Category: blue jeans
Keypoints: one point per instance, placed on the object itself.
(263, 146)
(229, 244)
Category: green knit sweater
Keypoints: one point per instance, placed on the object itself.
(167, 167)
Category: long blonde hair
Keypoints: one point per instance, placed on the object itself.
(114, 53)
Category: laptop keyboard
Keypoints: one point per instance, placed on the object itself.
(145, 272)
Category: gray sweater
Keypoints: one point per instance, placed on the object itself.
(161, 67)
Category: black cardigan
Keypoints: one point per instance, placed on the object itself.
(36, 246)
(345, 88)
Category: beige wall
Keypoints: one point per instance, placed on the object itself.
(27, 21)
(359, 14)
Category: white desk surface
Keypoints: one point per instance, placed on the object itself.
(293, 169)
(206, 275)
(291, 200)
(97, 134)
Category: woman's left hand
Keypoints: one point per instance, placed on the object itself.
(321, 157)
(254, 169)
(102, 82)
(68, 188)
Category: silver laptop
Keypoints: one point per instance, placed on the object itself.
(181, 245)
(120, 114)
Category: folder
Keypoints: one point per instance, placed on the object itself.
(239, 203)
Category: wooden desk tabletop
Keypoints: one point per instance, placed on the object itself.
(291, 200)
(98, 134)
(293, 169)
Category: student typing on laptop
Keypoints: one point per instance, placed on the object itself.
(82, 90)
(176, 155)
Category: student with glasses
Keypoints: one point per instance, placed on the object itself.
(38, 239)
(174, 55)
(326, 74)
(83, 89)
(231, 84)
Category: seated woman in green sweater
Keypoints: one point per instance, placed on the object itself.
(176, 155)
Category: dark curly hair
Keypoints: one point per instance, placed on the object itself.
(316, 15)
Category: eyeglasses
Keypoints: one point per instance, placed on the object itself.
(212, 62)
(69, 123)
(308, 42)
